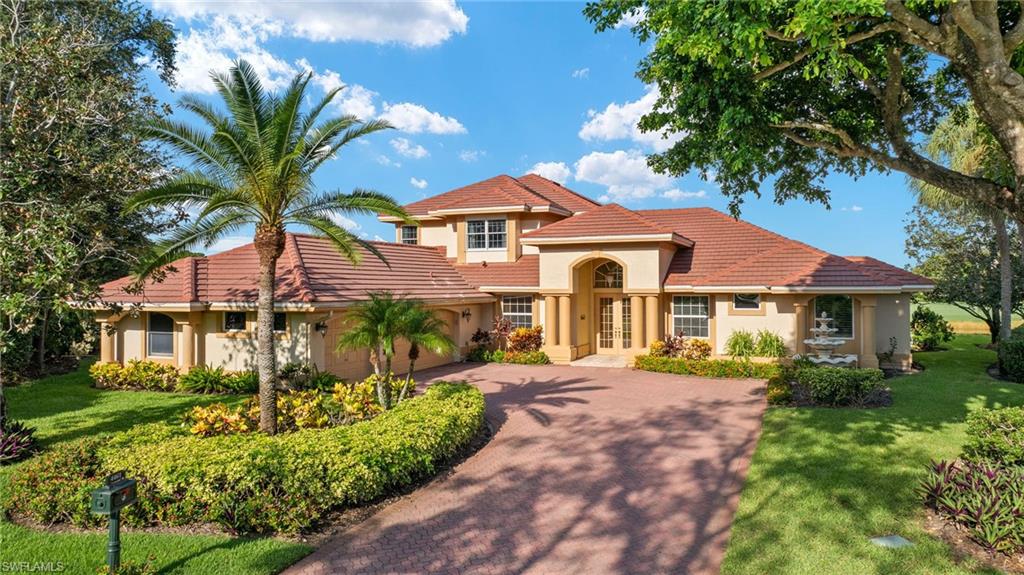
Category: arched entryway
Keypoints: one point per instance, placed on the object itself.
(612, 309)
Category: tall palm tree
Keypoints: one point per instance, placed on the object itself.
(423, 330)
(965, 144)
(376, 324)
(254, 166)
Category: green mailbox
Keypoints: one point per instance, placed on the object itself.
(117, 493)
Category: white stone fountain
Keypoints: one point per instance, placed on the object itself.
(823, 345)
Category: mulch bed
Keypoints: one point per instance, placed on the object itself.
(994, 373)
(966, 549)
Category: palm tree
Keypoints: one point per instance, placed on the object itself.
(254, 166)
(965, 144)
(375, 324)
(423, 329)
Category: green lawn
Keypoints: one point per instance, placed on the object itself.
(66, 407)
(962, 321)
(823, 481)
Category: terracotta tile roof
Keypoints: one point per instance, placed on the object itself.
(502, 191)
(309, 270)
(729, 252)
(607, 220)
(523, 273)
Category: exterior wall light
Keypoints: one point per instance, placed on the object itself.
(466, 314)
(321, 328)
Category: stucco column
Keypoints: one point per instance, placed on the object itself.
(637, 321)
(651, 311)
(188, 346)
(800, 320)
(868, 355)
(564, 320)
(550, 320)
(108, 342)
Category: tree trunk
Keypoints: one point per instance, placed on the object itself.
(269, 243)
(414, 352)
(41, 350)
(1005, 276)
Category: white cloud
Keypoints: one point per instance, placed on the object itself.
(419, 184)
(386, 161)
(216, 46)
(471, 155)
(581, 74)
(414, 118)
(676, 194)
(556, 171)
(632, 18)
(619, 122)
(345, 222)
(227, 243)
(625, 173)
(409, 149)
(418, 24)
(853, 208)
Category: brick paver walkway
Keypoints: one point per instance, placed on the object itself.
(591, 470)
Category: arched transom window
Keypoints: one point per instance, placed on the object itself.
(608, 275)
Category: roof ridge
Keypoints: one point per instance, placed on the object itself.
(569, 190)
(550, 201)
(642, 219)
(291, 249)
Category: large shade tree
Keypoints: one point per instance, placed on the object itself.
(799, 90)
(254, 166)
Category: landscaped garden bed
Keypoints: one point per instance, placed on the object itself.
(249, 482)
(807, 386)
(503, 344)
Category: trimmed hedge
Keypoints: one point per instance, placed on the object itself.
(996, 435)
(839, 386)
(1011, 358)
(707, 367)
(253, 482)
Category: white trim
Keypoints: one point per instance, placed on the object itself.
(516, 289)
(418, 218)
(673, 316)
(784, 289)
(471, 211)
(629, 238)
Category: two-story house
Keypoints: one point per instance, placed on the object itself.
(600, 279)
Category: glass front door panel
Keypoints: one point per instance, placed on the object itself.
(627, 324)
(606, 328)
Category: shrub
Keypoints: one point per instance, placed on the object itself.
(303, 376)
(983, 498)
(839, 386)
(136, 374)
(525, 339)
(657, 348)
(1011, 358)
(778, 390)
(243, 382)
(218, 419)
(681, 346)
(526, 357)
(996, 435)
(928, 329)
(204, 379)
(769, 344)
(254, 482)
(695, 349)
(740, 344)
(17, 441)
(707, 367)
(479, 354)
(357, 401)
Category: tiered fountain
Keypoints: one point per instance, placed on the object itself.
(823, 345)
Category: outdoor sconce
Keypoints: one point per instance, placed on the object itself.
(466, 314)
(321, 328)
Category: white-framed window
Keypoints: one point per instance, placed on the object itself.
(690, 315)
(608, 275)
(838, 307)
(409, 235)
(234, 321)
(518, 309)
(485, 234)
(160, 336)
(746, 301)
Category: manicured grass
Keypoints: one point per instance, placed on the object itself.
(66, 407)
(823, 481)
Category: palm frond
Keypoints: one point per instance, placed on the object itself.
(360, 201)
(322, 155)
(187, 141)
(186, 188)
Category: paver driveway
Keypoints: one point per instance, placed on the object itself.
(591, 470)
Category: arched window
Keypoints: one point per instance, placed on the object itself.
(608, 275)
(160, 337)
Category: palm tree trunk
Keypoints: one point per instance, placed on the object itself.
(269, 243)
(1005, 276)
(408, 380)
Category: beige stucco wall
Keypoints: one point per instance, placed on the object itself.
(439, 234)
(642, 263)
(892, 318)
(237, 352)
(776, 315)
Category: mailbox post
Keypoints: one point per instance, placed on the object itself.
(117, 493)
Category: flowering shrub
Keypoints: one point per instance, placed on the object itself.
(706, 367)
(680, 346)
(986, 499)
(525, 339)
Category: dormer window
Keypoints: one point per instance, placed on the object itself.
(485, 234)
(409, 235)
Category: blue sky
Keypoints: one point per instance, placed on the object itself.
(480, 89)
